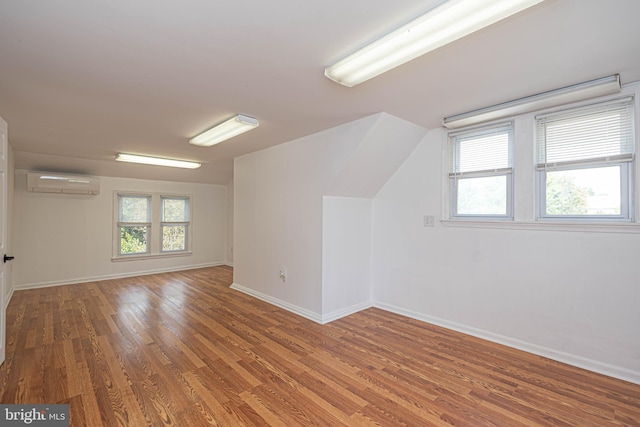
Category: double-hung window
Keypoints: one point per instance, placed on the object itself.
(584, 162)
(174, 223)
(481, 172)
(149, 225)
(134, 224)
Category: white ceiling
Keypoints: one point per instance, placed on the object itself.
(81, 80)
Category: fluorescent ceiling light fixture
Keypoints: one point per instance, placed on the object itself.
(225, 130)
(444, 24)
(566, 95)
(158, 161)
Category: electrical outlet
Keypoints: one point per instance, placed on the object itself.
(283, 275)
(429, 221)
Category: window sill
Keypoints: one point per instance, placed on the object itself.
(589, 227)
(149, 256)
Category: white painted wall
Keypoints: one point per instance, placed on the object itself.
(573, 296)
(278, 216)
(346, 256)
(229, 244)
(387, 143)
(67, 238)
(283, 221)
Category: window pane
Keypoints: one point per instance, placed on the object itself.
(483, 152)
(592, 191)
(174, 210)
(482, 196)
(174, 238)
(133, 240)
(134, 209)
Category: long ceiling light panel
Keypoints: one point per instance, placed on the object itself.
(225, 130)
(157, 161)
(442, 25)
(592, 89)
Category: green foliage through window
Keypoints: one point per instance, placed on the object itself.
(152, 224)
(579, 192)
(133, 240)
(173, 238)
(174, 224)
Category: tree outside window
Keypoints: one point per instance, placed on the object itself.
(174, 224)
(585, 159)
(151, 225)
(133, 224)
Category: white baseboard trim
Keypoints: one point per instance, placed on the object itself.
(278, 303)
(570, 359)
(344, 312)
(111, 276)
(318, 318)
(229, 264)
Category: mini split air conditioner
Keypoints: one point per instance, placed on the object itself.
(47, 182)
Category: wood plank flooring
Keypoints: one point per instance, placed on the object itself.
(182, 349)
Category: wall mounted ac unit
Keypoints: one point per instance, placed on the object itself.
(48, 182)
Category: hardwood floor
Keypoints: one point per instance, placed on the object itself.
(182, 349)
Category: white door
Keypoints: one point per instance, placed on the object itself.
(3, 236)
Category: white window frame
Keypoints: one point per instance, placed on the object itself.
(626, 164)
(154, 237)
(186, 223)
(121, 224)
(455, 177)
(525, 180)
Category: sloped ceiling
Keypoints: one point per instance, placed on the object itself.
(377, 156)
(80, 81)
